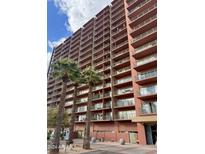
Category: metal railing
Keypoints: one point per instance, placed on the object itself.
(147, 74)
(146, 60)
(139, 6)
(143, 35)
(146, 46)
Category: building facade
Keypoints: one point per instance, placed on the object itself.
(121, 43)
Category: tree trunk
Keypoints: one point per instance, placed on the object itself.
(86, 139)
(72, 119)
(59, 118)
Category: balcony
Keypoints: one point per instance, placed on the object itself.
(147, 92)
(107, 76)
(107, 94)
(81, 109)
(82, 92)
(88, 56)
(69, 103)
(149, 108)
(97, 96)
(125, 115)
(54, 100)
(100, 119)
(144, 26)
(147, 62)
(121, 46)
(121, 38)
(143, 15)
(118, 24)
(147, 77)
(99, 49)
(119, 32)
(122, 72)
(97, 88)
(81, 101)
(134, 11)
(118, 18)
(97, 106)
(122, 63)
(145, 37)
(146, 49)
(121, 54)
(122, 103)
(124, 92)
(80, 119)
(107, 85)
(117, 7)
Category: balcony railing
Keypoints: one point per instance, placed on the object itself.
(151, 90)
(121, 61)
(122, 103)
(81, 101)
(139, 6)
(107, 76)
(143, 13)
(97, 106)
(146, 46)
(123, 91)
(119, 30)
(97, 87)
(120, 53)
(81, 110)
(108, 85)
(144, 23)
(126, 115)
(101, 118)
(119, 45)
(146, 60)
(118, 38)
(122, 70)
(147, 74)
(143, 35)
(98, 96)
(109, 94)
(123, 80)
(119, 23)
(118, 17)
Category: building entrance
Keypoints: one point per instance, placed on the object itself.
(151, 133)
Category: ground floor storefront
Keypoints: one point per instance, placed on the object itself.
(131, 132)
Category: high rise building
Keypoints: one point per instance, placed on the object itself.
(121, 43)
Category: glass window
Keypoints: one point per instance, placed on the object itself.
(146, 108)
(154, 107)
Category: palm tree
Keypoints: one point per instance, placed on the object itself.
(76, 78)
(63, 69)
(91, 77)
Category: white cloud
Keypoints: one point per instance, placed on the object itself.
(80, 11)
(52, 44)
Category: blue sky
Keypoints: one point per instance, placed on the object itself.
(56, 24)
(64, 17)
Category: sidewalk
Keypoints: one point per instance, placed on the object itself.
(111, 148)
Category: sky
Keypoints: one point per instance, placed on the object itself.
(64, 17)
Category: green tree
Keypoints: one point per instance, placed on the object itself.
(51, 118)
(62, 69)
(91, 77)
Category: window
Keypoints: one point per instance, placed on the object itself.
(149, 107)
